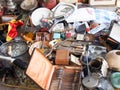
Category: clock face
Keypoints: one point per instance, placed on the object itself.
(13, 48)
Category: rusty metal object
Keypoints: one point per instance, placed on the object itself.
(89, 37)
(103, 42)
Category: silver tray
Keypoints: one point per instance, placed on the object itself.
(13, 48)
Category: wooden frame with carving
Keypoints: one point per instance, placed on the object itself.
(102, 2)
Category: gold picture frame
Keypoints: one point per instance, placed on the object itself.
(102, 2)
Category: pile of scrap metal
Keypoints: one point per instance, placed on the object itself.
(67, 34)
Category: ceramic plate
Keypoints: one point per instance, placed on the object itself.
(40, 13)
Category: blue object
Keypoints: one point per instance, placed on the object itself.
(56, 36)
(104, 16)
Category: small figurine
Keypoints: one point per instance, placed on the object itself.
(11, 6)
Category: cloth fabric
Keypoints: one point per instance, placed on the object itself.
(12, 32)
(105, 16)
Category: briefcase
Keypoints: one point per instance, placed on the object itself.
(53, 77)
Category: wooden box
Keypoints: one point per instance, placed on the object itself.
(53, 77)
(62, 57)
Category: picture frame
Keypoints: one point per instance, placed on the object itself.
(118, 3)
(102, 2)
(115, 31)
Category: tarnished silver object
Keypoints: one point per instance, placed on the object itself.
(11, 5)
(29, 4)
(13, 48)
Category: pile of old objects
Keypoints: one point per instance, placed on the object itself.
(35, 36)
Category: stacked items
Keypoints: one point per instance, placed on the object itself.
(66, 34)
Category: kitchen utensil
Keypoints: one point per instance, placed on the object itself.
(13, 48)
(17, 62)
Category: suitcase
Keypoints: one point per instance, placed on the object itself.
(53, 77)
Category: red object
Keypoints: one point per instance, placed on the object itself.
(68, 34)
(43, 29)
(2, 10)
(48, 3)
(12, 31)
(1, 13)
(87, 29)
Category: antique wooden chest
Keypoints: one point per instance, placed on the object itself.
(53, 77)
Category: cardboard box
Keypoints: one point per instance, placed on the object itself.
(53, 77)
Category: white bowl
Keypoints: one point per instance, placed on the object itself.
(40, 13)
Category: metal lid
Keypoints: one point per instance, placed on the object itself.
(90, 82)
